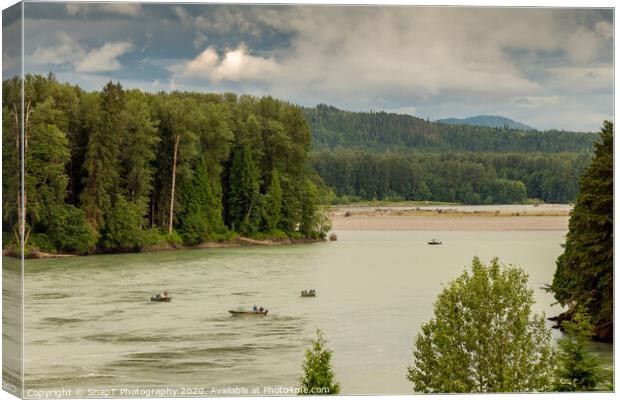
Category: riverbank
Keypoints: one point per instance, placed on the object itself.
(452, 218)
(239, 241)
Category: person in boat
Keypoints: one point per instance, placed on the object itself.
(261, 309)
(254, 308)
(164, 294)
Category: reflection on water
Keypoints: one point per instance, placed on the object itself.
(90, 324)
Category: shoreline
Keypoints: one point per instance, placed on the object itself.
(451, 218)
(237, 242)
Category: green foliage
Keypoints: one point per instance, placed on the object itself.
(386, 132)
(484, 337)
(272, 204)
(243, 196)
(71, 230)
(469, 178)
(42, 242)
(578, 369)
(318, 377)
(175, 240)
(584, 274)
(123, 228)
(309, 215)
(103, 157)
(108, 157)
(200, 215)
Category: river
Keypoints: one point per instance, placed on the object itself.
(90, 324)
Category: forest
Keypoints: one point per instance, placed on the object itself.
(468, 178)
(387, 156)
(121, 170)
(388, 132)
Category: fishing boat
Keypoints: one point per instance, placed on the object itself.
(308, 293)
(434, 242)
(247, 312)
(159, 297)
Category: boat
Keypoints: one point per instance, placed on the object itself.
(434, 242)
(159, 297)
(308, 293)
(249, 312)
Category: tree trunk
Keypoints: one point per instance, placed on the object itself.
(174, 173)
(21, 191)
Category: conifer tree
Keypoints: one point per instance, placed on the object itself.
(318, 377)
(196, 199)
(103, 157)
(578, 369)
(272, 205)
(584, 274)
(243, 198)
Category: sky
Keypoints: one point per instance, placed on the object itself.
(548, 68)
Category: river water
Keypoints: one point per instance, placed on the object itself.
(90, 324)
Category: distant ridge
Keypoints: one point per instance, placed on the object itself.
(491, 121)
(379, 131)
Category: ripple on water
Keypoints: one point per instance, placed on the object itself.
(61, 321)
(48, 296)
(127, 338)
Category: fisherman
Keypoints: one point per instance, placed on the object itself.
(254, 309)
(164, 295)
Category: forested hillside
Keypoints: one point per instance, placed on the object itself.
(119, 170)
(377, 155)
(381, 131)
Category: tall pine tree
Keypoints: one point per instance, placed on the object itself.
(584, 275)
(103, 156)
(243, 195)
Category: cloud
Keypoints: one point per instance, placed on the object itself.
(536, 64)
(104, 58)
(129, 9)
(66, 50)
(234, 65)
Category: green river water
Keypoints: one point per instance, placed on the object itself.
(91, 327)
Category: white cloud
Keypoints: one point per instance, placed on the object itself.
(129, 9)
(104, 58)
(66, 50)
(234, 65)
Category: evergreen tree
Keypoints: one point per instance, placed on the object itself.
(309, 204)
(138, 144)
(196, 199)
(272, 204)
(578, 369)
(243, 197)
(584, 274)
(484, 337)
(103, 157)
(318, 377)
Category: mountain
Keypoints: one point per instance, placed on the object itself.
(491, 121)
(333, 128)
